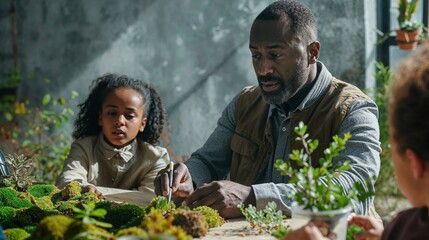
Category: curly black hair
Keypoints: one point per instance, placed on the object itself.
(87, 122)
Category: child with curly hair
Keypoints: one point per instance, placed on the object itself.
(116, 137)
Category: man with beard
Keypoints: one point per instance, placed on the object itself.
(236, 164)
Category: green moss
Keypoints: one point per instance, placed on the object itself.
(104, 204)
(211, 216)
(25, 196)
(134, 231)
(9, 197)
(29, 229)
(71, 190)
(42, 190)
(160, 204)
(6, 213)
(16, 234)
(155, 223)
(123, 216)
(192, 222)
(77, 230)
(65, 207)
(44, 202)
(52, 228)
(32, 216)
(89, 197)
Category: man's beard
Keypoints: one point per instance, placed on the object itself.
(283, 94)
(285, 91)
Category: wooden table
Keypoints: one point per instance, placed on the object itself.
(231, 230)
(237, 229)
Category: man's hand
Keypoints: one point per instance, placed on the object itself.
(91, 188)
(182, 182)
(224, 196)
(373, 229)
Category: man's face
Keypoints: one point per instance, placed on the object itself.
(279, 60)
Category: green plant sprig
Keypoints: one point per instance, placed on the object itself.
(20, 172)
(89, 214)
(317, 187)
(267, 220)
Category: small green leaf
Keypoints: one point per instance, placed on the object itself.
(46, 99)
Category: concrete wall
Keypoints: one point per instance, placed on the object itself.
(194, 51)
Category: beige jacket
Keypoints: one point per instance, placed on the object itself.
(93, 161)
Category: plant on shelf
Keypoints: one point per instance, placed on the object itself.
(319, 196)
(409, 30)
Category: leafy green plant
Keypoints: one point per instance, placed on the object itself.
(386, 182)
(89, 214)
(33, 130)
(13, 78)
(317, 189)
(266, 220)
(20, 172)
(407, 9)
(352, 230)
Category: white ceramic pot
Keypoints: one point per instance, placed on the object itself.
(332, 223)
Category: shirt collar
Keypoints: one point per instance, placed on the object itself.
(309, 94)
(126, 153)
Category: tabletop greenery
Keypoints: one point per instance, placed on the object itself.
(317, 187)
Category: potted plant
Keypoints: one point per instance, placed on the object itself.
(409, 30)
(319, 198)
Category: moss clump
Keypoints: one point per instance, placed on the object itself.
(78, 230)
(6, 213)
(89, 197)
(43, 202)
(211, 216)
(105, 204)
(155, 223)
(66, 207)
(16, 234)
(52, 228)
(32, 216)
(192, 222)
(9, 197)
(160, 204)
(42, 190)
(134, 231)
(123, 216)
(29, 229)
(71, 190)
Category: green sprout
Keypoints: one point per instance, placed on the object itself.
(267, 220)
(89, 215)
(317, 187)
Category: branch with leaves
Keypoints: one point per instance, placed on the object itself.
(317, 189)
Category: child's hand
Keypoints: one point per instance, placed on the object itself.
(91, 188)
(373, 229)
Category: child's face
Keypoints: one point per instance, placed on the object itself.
(121, 117)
